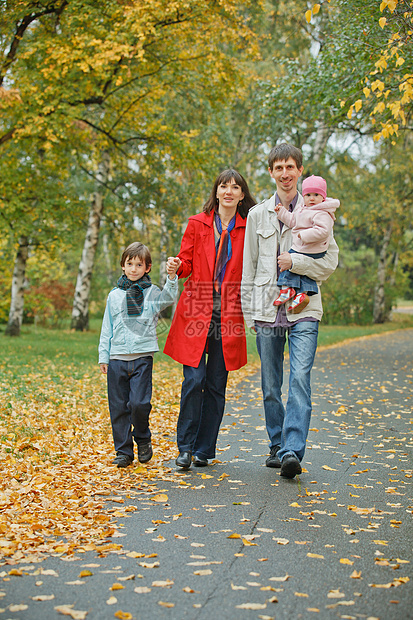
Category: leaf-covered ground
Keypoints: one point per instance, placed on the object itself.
(234, 539)
(56, 450)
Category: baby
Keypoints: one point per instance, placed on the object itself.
(311, 224)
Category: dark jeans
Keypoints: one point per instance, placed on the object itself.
(129, 395)
(203, 399)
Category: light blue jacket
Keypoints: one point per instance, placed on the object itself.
(122, 334)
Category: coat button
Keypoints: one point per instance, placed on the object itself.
(233, 270)
(189, 293)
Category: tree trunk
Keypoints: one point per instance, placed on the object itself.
(17, 289)
(323, 134)
(163, 244)
(80, 311)
(380, 313)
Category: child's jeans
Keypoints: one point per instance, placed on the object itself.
(129, 395)
(301, 284)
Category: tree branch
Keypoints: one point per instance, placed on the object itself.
(21, 29)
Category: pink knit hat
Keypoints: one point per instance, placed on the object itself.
(315, 185)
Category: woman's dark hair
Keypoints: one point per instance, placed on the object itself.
(225, 177)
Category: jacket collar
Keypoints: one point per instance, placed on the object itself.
(271, 202)
(208, 219)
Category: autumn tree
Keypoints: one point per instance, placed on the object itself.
(107, 67)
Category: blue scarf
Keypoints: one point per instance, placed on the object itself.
(134, 293)
(223, 251)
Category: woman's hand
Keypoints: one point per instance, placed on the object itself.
(172, 265)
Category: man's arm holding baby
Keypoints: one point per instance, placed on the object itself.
(319, 269)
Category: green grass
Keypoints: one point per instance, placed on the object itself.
(77, 351)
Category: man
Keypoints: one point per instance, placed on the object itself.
(267, 242)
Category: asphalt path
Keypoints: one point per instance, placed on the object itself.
(235, 540)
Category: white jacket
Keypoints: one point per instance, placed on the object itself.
(259, 275)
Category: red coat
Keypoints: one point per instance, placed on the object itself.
(190, 324)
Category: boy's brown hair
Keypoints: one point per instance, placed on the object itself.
(139, 250)
(282, 152)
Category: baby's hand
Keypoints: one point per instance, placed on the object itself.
(172, 265)
(277, 207)
(299, 235)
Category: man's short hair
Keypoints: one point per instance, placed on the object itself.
(139, 250)
(282, 152)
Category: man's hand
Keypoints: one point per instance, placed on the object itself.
(285, 261)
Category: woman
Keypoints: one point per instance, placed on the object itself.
(208, 318)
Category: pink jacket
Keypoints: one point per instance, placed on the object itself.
(314, 224)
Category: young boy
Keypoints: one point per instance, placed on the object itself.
(127, 344)
(311, 226)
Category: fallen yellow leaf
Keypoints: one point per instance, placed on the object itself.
(123, 615)
(161, 498)
(67, 610)
(85, 573)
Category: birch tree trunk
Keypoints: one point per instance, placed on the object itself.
(323, 134)
(17, 289)
(80, 310)
(380, 313)
(163, 244)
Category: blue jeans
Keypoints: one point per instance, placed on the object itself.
(129, 396)
(203, 400)
(287, 427)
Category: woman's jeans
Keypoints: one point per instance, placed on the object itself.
(203, 399)
(129, 395)
(287, 427)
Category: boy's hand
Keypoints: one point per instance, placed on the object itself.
(285, 261)
(172, 265)
(104, 368)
